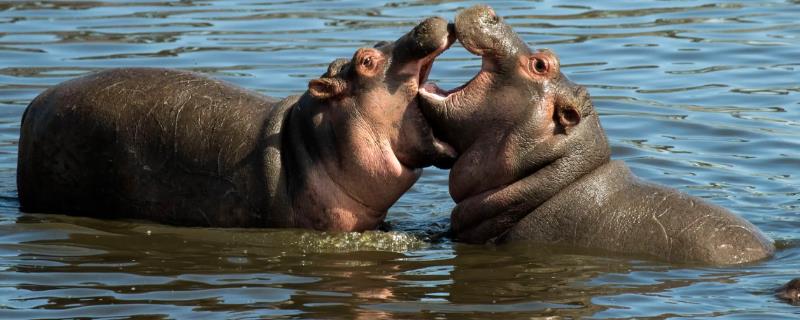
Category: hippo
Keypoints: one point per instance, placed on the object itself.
(534, 164)
(790, 292)
(179, 148)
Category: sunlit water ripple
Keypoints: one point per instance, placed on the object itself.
(698, 95)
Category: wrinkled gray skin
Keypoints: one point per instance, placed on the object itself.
(534, 164)
(179, 148)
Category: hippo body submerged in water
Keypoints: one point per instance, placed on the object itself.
(790, 292)
(179, 148)
(534, 164)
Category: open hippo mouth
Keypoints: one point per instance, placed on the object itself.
(432, 91)
(414, 55)
(425, 71)
(452, 113)
(468, 29)
(426, 63)
(429, 41)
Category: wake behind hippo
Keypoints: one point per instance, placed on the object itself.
(180, 148)
(534, 164)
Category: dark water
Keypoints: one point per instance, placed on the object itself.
(702, 96)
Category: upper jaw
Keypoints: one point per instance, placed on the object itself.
(415, 72)
(484, 34)
(419, 69)
(433, 94)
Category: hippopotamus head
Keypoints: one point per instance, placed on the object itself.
(790, 291)
(517, 115)
(363, 132)
(377, 88)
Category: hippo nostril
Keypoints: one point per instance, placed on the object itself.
(493, 19)
(420, 31)
(491, 12)
(490, 17)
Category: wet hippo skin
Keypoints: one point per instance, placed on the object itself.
(535, 165)
(790, 292)
(180, 148)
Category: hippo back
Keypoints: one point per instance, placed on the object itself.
(611, 209)
(155, 144)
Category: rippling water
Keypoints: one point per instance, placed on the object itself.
(702, 96)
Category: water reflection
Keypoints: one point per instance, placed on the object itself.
(85, 265)
(699, 95)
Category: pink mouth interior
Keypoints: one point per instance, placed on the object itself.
(434, 89)
(425, 71)
(426, 64)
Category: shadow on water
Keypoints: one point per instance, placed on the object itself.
(698, 95)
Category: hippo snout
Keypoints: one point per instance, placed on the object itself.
(484, 33)
(430, 37)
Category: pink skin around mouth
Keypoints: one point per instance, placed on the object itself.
(423, 66)
(432, 90)
(423, 69)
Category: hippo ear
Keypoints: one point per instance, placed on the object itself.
(567, 116)
(326, 88)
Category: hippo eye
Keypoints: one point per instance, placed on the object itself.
(538, 66)
(367, 61)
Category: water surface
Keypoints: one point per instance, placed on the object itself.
(699, 95)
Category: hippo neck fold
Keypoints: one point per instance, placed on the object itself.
(587, 149)
(276, 195)
(576, 155)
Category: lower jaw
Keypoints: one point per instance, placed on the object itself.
(433, 91)
(409, 167)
